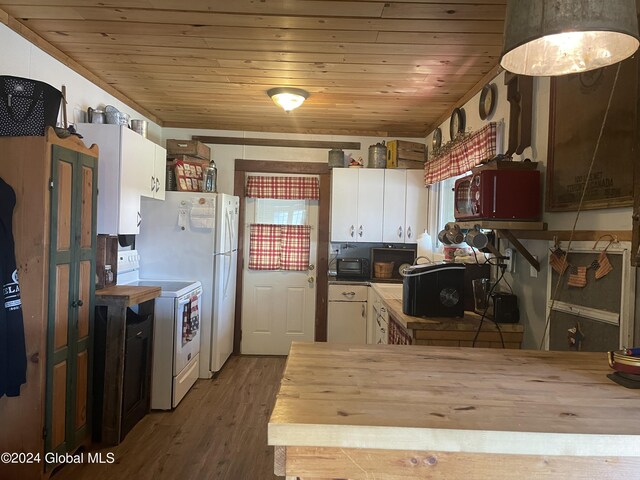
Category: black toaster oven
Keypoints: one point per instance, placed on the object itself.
(352, 268)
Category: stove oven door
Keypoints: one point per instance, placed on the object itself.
(187, 334)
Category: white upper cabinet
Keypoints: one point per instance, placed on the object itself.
(159, 172)
(377, 205)
(395, 190)
(344, 204)
(416, 206)
(356, 204)
(127, 164)
(370, 204)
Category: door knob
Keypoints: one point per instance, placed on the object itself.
(310, 280)
(311, 268)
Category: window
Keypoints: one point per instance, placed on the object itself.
(441, 207)
(281, 212)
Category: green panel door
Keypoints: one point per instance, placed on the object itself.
(71, 292)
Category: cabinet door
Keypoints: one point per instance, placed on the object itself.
(71, 292)
(160, 172)
(344, 204)
(347, 322)
(416, 206)
(137, 163)
(136, 167)
(395, 186)
(370, 204)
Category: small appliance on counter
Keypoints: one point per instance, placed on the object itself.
(352, 268)
(505, 308)
(433, 290)
(498, 195)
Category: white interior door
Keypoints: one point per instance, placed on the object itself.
(278, 307)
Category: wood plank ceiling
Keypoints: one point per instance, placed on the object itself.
(371, 68)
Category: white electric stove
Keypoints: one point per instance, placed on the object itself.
(176, 332)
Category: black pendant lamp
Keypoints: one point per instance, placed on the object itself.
(558, 37)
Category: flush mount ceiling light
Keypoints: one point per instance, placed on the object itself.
(558, 37)
(288, 98)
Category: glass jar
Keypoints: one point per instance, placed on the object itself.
(210, 178)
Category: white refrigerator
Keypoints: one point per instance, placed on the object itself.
(192, 235)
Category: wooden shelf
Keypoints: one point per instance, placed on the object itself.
(504, 227)
(500, 225)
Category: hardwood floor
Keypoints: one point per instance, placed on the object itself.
(218, 432)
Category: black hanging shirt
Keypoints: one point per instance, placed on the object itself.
(13, 356)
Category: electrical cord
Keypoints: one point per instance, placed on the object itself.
(486, 309)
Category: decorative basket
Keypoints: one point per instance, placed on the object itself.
(383, 269)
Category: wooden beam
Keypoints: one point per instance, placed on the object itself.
(578, 235)
(277, 142)
(521, 248)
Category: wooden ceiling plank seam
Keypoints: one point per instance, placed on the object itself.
(66, 60)
(209, 21)
(315, 57)
(392, 41)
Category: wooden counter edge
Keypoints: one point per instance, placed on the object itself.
(125, 295)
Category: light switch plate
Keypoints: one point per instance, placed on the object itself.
(533, 273)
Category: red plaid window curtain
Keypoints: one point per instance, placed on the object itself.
(283, 188)
(471, 152)
(279, 247)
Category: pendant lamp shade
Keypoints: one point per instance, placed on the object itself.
(558, 37)
(288, 98)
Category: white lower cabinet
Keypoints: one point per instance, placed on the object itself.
(347, 314)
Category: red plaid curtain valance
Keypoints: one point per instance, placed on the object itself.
(283, 188)
(279, 247)
(471, 152)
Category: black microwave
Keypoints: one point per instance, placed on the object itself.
(350, 268)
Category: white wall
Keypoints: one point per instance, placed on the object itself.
(225, 155)
(532, 291)
(20, 58)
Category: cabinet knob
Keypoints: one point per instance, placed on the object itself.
(153, 182)
(408, 232)
(399, 232)
(352, 231)
(360, 230)
(80, 303)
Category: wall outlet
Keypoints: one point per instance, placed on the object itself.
(510, 260)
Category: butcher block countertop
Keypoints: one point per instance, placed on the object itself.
(464, 400)
(391, 296)
(125, 295)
